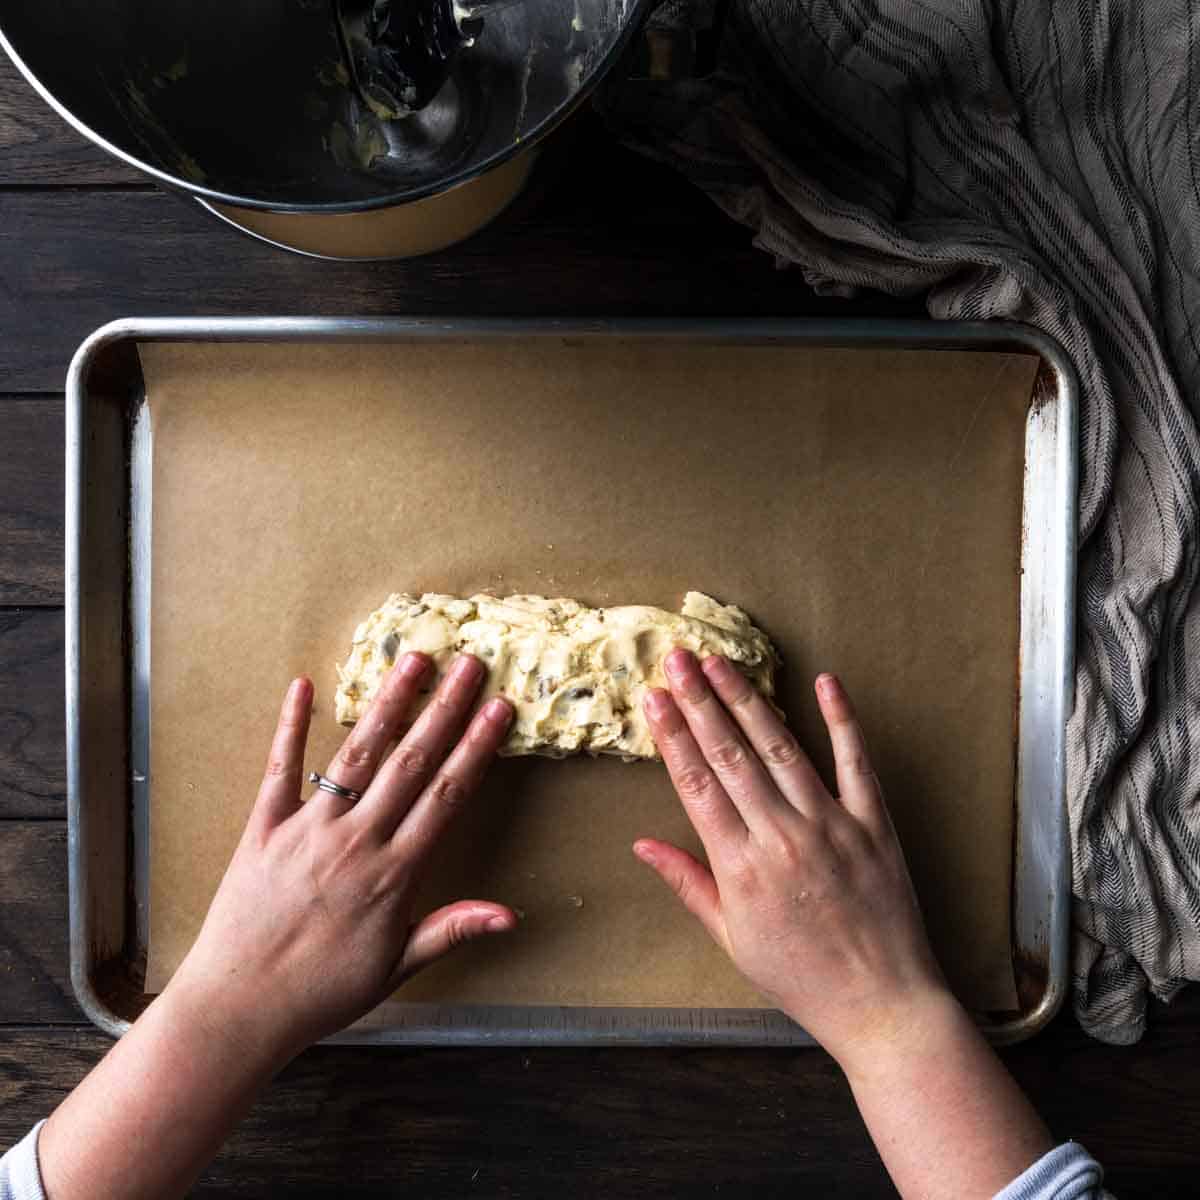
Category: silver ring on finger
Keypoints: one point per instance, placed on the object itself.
(334, 789)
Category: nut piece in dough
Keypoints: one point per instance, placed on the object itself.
(575, 675)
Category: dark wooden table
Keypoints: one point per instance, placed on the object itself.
(83, 240)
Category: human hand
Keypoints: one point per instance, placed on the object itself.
(312, 925)
(808, 893)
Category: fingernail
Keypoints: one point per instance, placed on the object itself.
(497, 924)
(498, 710)
(716, 667)
(658, 703)
(644, 852)
(678, 663)
(827, 685)
(466, 669)
(298, 687)
(414, 665)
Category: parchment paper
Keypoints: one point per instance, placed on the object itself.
(863, 506)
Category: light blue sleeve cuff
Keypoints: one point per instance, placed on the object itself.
(20, 1178)
(1068, 1172)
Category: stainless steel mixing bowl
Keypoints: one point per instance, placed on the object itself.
(250, 109)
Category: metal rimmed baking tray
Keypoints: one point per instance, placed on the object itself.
(109, 511)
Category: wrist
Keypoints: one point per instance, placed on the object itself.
(908, 1029)
(177, 1082)
(961, 1127)
(236, 1029)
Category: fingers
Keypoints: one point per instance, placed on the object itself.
(412, 764)
(769, 737)
(704, 799)
(460, 775)
(739, 770)
(358, 759)
(690, 880)
(279, 795)
(856, 778)
(448, 927)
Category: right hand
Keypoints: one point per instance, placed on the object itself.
(808, 893)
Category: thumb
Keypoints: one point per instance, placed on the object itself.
(445, 928)
(690, 880)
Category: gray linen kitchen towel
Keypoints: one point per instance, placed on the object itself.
(1036, 160)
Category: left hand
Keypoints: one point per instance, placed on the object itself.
(312, 925)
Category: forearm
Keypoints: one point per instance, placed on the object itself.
(148, 1119)
(947, 1118)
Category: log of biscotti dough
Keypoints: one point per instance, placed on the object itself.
(575, 675)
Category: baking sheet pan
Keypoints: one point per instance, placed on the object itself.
(107, 410)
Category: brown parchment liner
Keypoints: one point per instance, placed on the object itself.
(863, 506)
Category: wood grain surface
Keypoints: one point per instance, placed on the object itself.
(38, 148)
(31, 520)
(35, 983)
(82, 240)
(33, 780)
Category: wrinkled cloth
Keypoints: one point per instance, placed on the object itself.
(1038, 161)
(20, 1175)
(1068, 1172)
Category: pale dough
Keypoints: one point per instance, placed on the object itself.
(576, 676)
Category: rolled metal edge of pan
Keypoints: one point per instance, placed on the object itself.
(80, 859)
